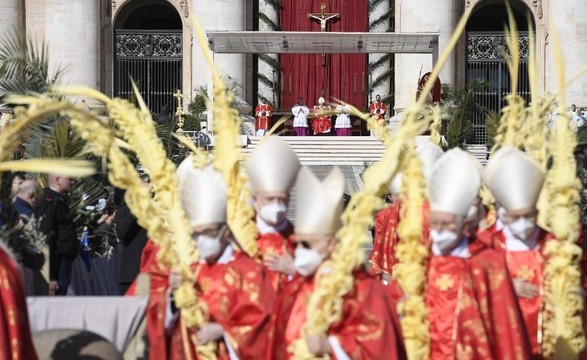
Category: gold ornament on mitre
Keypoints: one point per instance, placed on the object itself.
(514, 178)
(428, 153)
(319, 204)
(202, 193)
(454, 183)
(273, 166)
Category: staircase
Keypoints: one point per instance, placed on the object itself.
(331, 150)
(344, 150)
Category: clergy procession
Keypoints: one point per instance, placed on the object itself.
(256, 256)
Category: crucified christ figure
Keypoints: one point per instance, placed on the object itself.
(323, 17)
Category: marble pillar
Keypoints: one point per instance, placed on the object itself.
(264, 68)
(11, 17)
(414, 16)
(223, 15)
(568, 19)
(382, 89)
(72, 31)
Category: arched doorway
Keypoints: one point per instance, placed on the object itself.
(148, 48)
(485, 60)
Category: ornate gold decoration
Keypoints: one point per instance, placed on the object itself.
(525, 273)
(444, 282)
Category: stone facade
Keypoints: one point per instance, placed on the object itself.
(80, 35)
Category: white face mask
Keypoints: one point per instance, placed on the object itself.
(307, 261)
(273, 214)
(522, 228)
(209, 246)
(445, 240)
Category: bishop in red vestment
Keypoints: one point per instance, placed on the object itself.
(382, 257)
(321, 123)
(272, 169)
(369, 327)
(233, 286)
(378, 108)
(15, 334)
(263, 114)
(472, 307)
(516, 182)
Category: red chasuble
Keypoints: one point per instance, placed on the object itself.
(263, 114)
(368, 329)
(527, 265)
(321, 123)
(382, 256)
(279, 244)
(159, 276)
(15, 334)
(239, 298)
(473, 313)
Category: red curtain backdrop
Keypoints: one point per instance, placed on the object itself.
(303, 75)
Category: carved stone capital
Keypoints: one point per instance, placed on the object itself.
(538, 6)
(185, 8)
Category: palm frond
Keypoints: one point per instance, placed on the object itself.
(24, 66)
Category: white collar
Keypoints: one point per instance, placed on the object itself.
(512, 243)
(224, 258)
(265, 228)
(461, 251)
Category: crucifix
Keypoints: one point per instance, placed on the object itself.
(324, 18)
(179, 110)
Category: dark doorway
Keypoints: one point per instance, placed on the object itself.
(148, 49)
(486, 58)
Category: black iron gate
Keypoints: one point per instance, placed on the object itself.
(486, 60)
(153, 59)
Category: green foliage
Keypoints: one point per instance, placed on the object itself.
(196, 110)
(382, 19)
(273, 62)
(383, 60)
(381, 79)
(460, 106)
(24, 69)
(275, 4)
(24, 66)
(491, 126)
(270, 23)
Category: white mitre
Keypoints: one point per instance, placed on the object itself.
(455, 182)
(273, 166)
(202, 193)
(321, 100)
(428, 153)
(319, 204)
(514, 178)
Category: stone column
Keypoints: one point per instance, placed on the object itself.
(72, 31)
(382, 89)
(568, 19)
(11, 17)
(421, 16)
(265, 69)
(219, 15)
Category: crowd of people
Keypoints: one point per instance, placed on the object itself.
(484, 279)
(318, 120)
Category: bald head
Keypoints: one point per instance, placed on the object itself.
(27, 191)
(61, 184)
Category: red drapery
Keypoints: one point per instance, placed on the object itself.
(344, 75)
